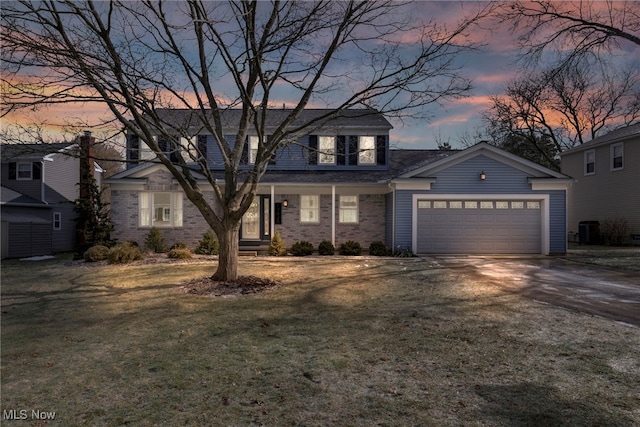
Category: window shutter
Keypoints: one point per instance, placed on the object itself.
(381, 149)
(202, 145)
(134, 147)
(341, 150)
(272, 159)
(174, 147)
(313, 149)
(353, 150)
(245, 152)
(36, 170)
(13, 170)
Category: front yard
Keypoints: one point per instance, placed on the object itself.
(344, 341)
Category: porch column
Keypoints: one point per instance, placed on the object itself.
(333, 215)
(272, 210)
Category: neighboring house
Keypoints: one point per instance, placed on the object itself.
(343, 182)
(607, 180)
(39, 186)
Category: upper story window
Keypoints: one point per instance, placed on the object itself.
(348, 209)
(24, 171)
(590, 162)
(367, 150)
(160, 209)
(617, 156)
(327, 150)
(310, 209)
(253, 149)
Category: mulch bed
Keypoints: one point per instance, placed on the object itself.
(243, 285)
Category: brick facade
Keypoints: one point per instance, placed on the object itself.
(370, 227)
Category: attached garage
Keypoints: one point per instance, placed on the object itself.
(479, 226)
(481, 200)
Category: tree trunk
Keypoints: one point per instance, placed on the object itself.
(228, 257)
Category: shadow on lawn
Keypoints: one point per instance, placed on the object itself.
(527, 404)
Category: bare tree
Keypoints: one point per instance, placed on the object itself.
(577, 28)
(138, 58)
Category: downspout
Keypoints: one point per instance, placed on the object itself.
(42, 189)
(393, 216)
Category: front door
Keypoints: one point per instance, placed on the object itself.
(256, 222)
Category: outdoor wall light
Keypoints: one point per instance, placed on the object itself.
(483, 176)
(285, 203)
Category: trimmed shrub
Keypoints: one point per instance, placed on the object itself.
(403, 253)
(208, 245)
(277, 246)
(326, 248)
(155, 242)
(179, 253)
(179, 245)
(124, 254)
(96, 253)
(378, 249)
(302, 248)
(350, 248)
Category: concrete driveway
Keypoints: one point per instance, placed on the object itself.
(614, 294)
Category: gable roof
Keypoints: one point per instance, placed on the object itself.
(343, 119)
(484, 148)
(621, 134)
(12, 152)
(9, 196)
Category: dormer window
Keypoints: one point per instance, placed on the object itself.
(367, 150)
(327, 150)
(24, 171)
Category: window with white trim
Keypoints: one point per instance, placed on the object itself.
(590, 162)
(253, 149)
(348, 209)
(24, 171)
(160, 209)
(327, 150)
(310, 209)
(57, 221)
(367, 150)
(617, 156)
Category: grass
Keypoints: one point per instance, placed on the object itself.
(626, 257)
(346, 341)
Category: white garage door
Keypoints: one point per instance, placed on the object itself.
(479, 226)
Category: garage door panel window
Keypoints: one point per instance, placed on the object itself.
(533, 205)
(455, 205)
(471, 205)
(439, 205)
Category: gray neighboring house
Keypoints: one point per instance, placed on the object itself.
(607, 181)
(39, 184)
(343, 182)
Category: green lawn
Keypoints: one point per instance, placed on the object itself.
(345, 341)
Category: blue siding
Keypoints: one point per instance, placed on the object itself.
(388, 220)
(557, 221)
(294, 156)
(464, 178)
(403, 219)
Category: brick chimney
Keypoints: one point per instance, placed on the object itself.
(87, 167)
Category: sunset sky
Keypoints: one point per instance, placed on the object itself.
(489, 69)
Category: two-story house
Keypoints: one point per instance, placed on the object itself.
(39, 184)
(343, 182)
(607, 186)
